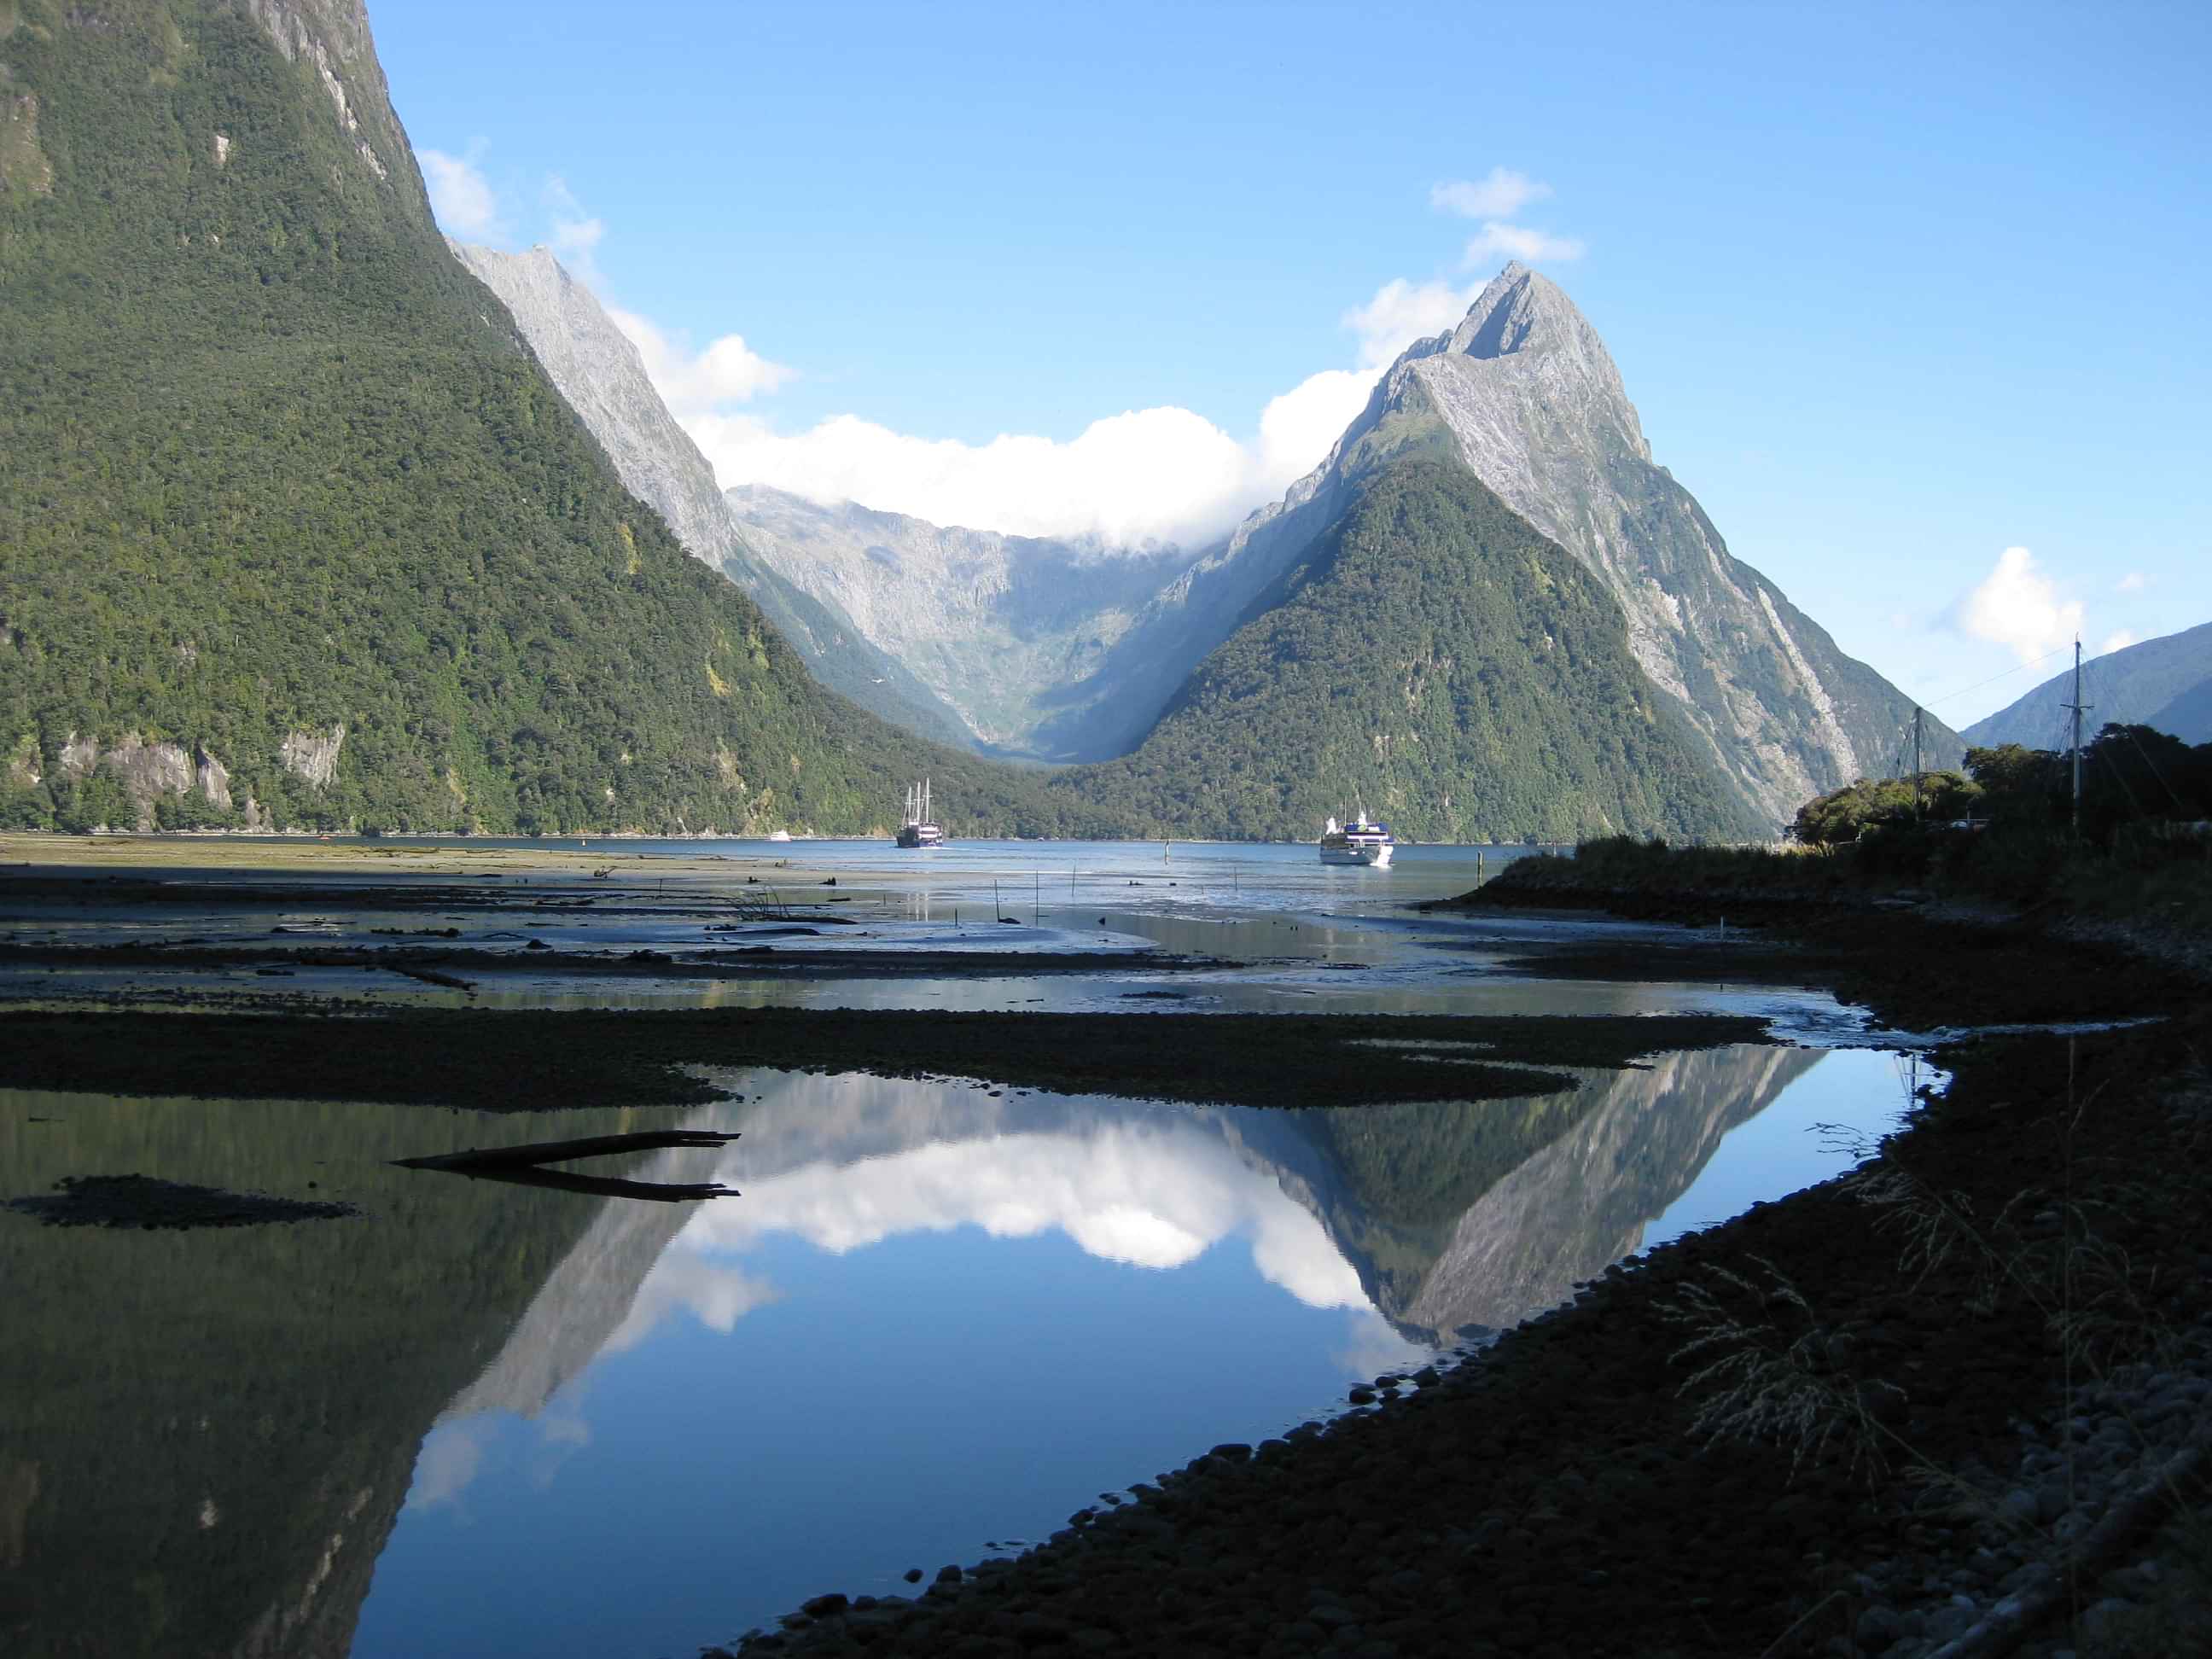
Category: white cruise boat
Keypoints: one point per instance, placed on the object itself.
(1363, 840)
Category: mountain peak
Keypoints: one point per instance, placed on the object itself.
(1522, 310)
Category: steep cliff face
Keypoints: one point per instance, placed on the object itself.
(1018, 633)
(1524, 393)
(600, 373)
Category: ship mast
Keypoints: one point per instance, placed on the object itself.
(1916, 763)
(2077, 706)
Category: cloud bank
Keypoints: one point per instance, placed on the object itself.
(1143, 477)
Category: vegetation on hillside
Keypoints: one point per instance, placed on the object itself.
(1436, 658)
(272, 463)
(299, 534)
(2006, 830)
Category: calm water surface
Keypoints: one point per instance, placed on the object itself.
(488, 1420)
(940, 1318)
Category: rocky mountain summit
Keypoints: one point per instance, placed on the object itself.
(1525, 394)
(600, 371)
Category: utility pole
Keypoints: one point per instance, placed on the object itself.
(2077, 706)
(1916, 763)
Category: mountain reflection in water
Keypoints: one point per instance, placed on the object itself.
(936, 1316)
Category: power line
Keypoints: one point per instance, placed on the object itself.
(1948, 695)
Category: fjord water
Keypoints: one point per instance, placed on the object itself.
(485, 1419)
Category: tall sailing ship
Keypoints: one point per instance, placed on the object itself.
(920, 829)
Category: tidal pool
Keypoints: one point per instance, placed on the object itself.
(940, 1318)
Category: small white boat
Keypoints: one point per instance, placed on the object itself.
(1362, 842)
(919, 830)
(779, 835)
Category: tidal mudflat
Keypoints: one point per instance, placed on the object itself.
(1004, 1246)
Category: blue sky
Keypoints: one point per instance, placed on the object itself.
(1895, 289)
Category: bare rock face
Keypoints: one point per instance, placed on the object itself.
(333, 37)
(146, 770)
(312, 755)
(213, 779)
(600, 371)
(1525, 394)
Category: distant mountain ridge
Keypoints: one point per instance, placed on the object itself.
(1018, 633)
(600, 371)
(1522, 393)
(2165, 683)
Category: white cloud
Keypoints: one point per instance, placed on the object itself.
(2117, 642)
(728, 370)
(1151, 1191)
(462, 199)
(1159, 474)
(716, 1296)
(2019, 608)
(1401, 312)
(1497, 194)
(1299, 427)
(1518, 242)
(2133, 582)
(575, 234)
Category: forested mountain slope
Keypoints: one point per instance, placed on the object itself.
(1432, 655)
(1523, 394)
(298, 531)
(600, 371)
